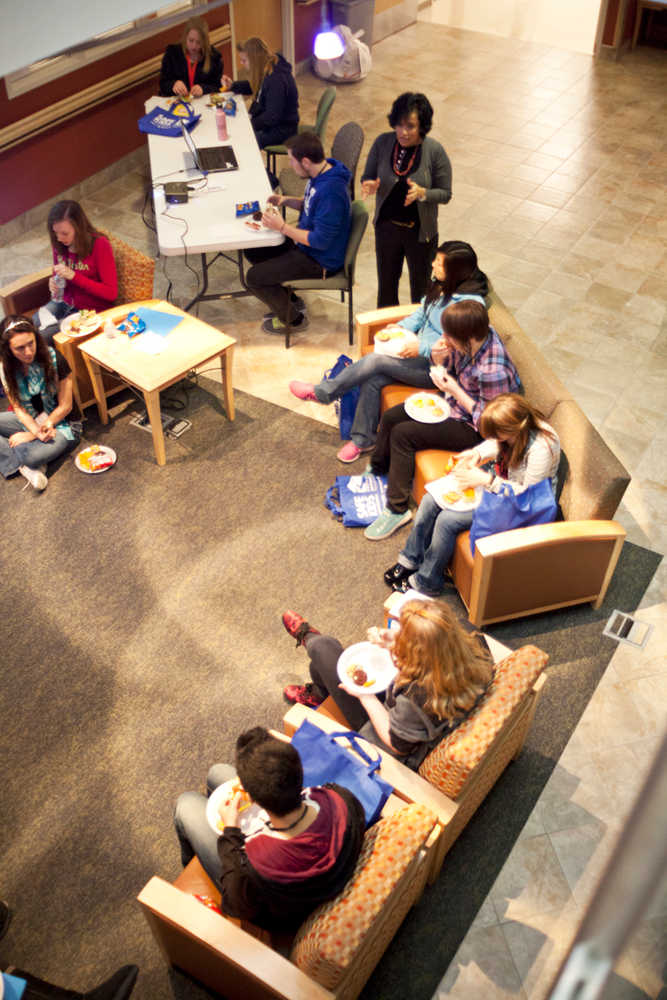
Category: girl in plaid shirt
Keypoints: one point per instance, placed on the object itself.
(475, 368)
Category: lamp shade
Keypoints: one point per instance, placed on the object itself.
(328, 45)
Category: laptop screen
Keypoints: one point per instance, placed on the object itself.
(190, 144)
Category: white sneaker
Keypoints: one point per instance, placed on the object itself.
(35, 477)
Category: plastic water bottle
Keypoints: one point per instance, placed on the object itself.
(59, 282)
(110, 330)
(221, 124)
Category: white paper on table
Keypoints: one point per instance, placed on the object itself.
(149, 343)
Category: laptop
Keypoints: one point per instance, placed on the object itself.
(209, 159)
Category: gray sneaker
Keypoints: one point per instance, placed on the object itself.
(298, 304)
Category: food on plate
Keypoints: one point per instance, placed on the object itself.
(453, 497)
(94, 458)
(244, 802)
(389, 333)
(359, 675)
(428, 403)
(253, 225)
(86, 319)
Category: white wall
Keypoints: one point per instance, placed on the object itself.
(566, 24)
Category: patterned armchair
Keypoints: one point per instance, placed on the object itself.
(333, 952)
(530, 570)
(457, 775)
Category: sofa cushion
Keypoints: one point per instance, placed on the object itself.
(452, 762)
(327, 941)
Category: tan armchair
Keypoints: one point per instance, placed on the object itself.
(529, 570)
(135, 281)
(333, 952)
(457, 775)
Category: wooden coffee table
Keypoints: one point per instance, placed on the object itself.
(188, 346)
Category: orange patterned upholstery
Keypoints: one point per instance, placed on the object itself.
(453, 761)
(134, 269)
(327, 942)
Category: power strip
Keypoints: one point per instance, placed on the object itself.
(172, 426)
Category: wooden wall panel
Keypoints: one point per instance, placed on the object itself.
(258, 18)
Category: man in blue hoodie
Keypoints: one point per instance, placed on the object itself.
(314, 247)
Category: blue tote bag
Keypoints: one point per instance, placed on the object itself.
(346, 405)
(323, 760)
(159, 121)
(357, 500)
(506, 509)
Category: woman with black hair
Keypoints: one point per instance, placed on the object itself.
(455, 277)
(38, 384)
(410, 175)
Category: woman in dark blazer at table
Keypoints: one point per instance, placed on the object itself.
(193, 66)
(410, 175)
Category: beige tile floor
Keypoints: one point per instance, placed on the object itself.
(560, 183)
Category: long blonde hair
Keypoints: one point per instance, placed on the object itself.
(261, 61)
(511, 415)
(433, 651)
(201, 27)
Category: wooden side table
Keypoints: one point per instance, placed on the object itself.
(84, 395)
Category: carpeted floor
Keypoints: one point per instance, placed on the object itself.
(141, 615)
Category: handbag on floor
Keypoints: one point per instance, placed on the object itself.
(324, 759)
(357, 500)
(345, 405)
(506, 509)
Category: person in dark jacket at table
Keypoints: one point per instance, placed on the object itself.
(274, 112)
(302, 849)
(193, 67)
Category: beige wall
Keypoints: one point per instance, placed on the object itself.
(258, 17)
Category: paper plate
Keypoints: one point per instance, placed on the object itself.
(391, 340)
(107, 452)
(374, 660)
(251, 817)
(448, 484)
(427, 407)
(88, 326)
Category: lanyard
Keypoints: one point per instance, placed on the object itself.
(192, 69)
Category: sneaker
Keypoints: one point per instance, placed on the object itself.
(302, 694)
(274, 325)
(303, 390)
(35, 477)
(350, 452)
(396, 573)
(298, 303)
(386, 524)
(298, 627)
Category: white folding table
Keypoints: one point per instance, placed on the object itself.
(207, 223)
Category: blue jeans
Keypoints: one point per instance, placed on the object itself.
(32, 453)
(195, 835)
(59, 310)
(372, 373)
(430, 546)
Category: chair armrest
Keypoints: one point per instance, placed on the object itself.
(215, 950)
(529, 570)
(31, 288)
(407, 784)
(369, 323)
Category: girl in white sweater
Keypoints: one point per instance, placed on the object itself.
(519, 447)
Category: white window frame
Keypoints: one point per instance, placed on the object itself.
(41, 73)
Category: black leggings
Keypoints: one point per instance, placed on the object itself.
(324, 651)
(400, 437)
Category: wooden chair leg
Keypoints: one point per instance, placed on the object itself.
(288, 318)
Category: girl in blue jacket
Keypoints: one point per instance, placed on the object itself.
(456, 276)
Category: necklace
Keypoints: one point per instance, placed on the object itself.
(398, 157)
(283, 829)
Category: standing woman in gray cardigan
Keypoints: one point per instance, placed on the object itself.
(410, 175)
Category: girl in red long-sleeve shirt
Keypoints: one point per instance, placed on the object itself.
(84, 258)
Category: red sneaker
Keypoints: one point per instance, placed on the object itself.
(297, 626)
(302, 694)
